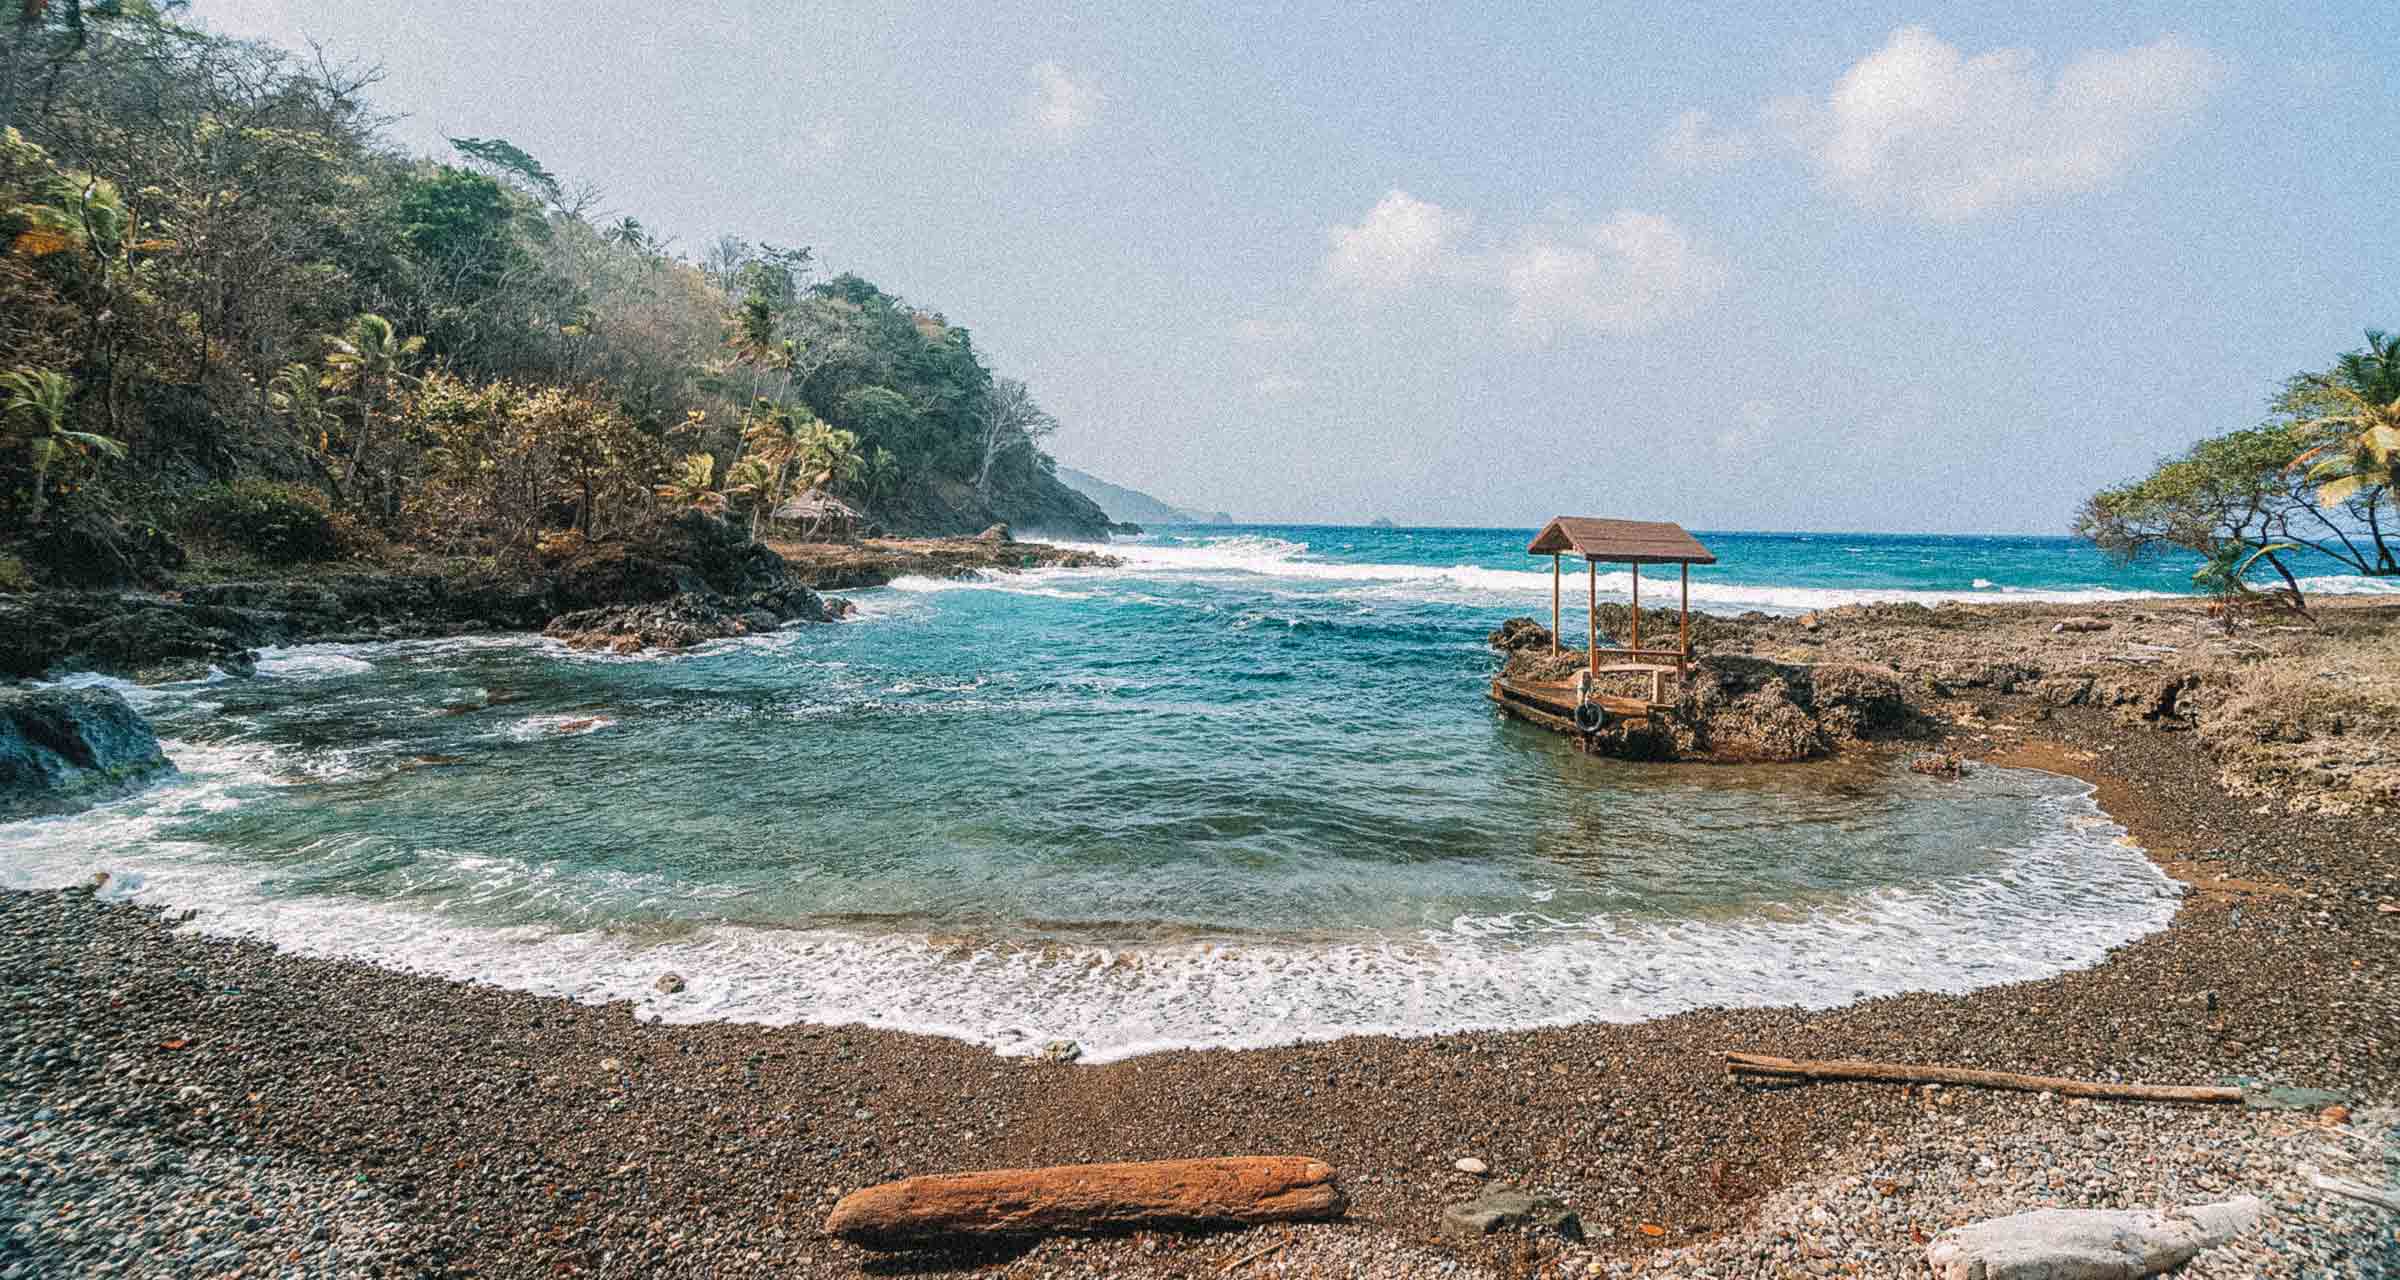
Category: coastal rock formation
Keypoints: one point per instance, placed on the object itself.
(153, 636)
(1090, 1197)
(847, 566)
(1732, 708)
(686, 620)
(2087, 1244)
(67, 749)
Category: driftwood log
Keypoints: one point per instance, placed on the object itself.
(1087, 1198)
(1761, 1066)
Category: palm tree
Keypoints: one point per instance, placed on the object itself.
(38, 408)
(295, 393)
(757, 481)
(2358, 427)
(368, 359)
(689, 486)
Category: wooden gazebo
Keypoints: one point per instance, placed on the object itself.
(1633, 542)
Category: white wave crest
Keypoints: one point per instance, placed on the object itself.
(2063, 902)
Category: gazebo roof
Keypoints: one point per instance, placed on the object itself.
(1620, 541)
(815, 504)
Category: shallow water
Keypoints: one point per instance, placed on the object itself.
(1236, 793)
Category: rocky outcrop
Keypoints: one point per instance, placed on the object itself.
(1733, 708)
(1089, 1198)
(682, 621)
(843, 566)
(67, 749)
(2087, 1244)
(152, 636)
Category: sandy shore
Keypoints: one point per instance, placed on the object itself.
(174, 1104)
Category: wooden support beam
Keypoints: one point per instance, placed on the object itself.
(1760, 1065)
(1637, 605)
(1687, 613)
(1557, 569)
(1591, 616)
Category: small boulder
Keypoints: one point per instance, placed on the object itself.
(1469, 1164)
(1061, 1051)
(2087, 1244)
(1502, 1205)
(2079, 626)
(669, 983)
(997, 533)
(1518, 635)
(67, 749)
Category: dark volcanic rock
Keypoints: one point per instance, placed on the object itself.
(686, 620)
(66, 749)
(88, 550)
(1519, 635)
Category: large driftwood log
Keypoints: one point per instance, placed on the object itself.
(1760, 1065)
(1089, 1197)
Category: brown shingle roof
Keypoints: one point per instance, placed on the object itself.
(1623, 541)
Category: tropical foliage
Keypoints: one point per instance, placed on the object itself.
(2315, 481)
(215, 265)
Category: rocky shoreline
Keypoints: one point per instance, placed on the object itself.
(695, 579)
(330, 1116)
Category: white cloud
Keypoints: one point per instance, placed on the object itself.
(1694, 142)
(1277, 386)
(1628, 275)
(1750, 428)
(1917, 126)
(1060, 106)
(1401, 241)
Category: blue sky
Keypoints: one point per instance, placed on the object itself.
(1808, 267)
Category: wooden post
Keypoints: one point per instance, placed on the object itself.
(1591, 595)
(1637, 607)
(1557, 568)
(1687, 614)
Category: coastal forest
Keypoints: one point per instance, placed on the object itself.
(238, 322)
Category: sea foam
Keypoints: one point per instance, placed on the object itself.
(2062, 902)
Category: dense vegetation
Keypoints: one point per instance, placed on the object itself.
(2316, 480)
(232, 308)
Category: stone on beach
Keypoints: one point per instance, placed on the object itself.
(2087, 1244)
(1502, 1205)
(1090, 1197)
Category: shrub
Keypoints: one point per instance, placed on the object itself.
(13, 576)
(276, 523)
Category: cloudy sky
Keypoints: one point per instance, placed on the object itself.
(1753, 267)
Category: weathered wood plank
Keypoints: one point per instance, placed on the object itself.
(1089, 1197)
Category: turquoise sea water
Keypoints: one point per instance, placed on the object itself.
(1243, 790)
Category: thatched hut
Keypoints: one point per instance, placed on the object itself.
(820, 513)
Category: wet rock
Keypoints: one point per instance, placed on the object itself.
(1504, 1206)
(685, 620)
(1939, 764)
(1061, 1051)
(1520, 635)
(2087, 1244)
(2079, 626)
(996, 533)
(66, 749)
(90, 551)
(669, 983)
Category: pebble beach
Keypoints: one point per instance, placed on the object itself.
(176, 1104)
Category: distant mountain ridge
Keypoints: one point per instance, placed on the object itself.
(1132, 505)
